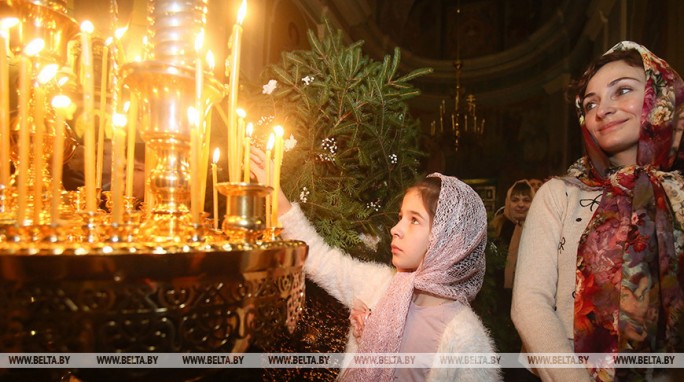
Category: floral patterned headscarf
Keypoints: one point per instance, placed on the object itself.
(628, 295)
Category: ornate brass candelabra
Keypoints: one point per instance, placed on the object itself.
(74, 280)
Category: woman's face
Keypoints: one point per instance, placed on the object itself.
(612, 107)
(520, 204)
(410, 236)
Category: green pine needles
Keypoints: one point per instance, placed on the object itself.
(357, 146)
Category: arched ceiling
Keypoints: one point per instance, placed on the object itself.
(510, 49)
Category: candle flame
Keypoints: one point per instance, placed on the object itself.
(271, 142)
(120, 32)
(34, 47)
(87, 27)
(210, 60)
(47, 73)
(193, 115)
(9, 22)
(199, 40)
(278, 130)
(61, 101)
(62, 81)
(249, 130)
(119, 120)
(109, 41)
(217, 154)
(242, 12)
(241, 112)
(127, 105)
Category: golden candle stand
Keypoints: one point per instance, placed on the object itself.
(156, 280)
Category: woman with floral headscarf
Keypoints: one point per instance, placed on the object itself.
(422, 304)
(599, 264)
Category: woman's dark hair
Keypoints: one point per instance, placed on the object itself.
(578, 87)
(429, 189)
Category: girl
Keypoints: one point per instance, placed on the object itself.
(421, 305)
(599, 264)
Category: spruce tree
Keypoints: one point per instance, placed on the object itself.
(357, 145)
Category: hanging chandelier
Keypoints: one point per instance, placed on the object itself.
(465, 124)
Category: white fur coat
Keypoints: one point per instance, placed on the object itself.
(347, 278)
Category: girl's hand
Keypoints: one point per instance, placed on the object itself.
(257, 168)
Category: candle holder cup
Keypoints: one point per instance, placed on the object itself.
(245, 218)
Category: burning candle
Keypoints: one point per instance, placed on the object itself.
(104, 78)
(60, 103)
(5, 24)
(267, 167)
(88, 107)
(277, 162)
(31, 50)
(233, 159)
(214, 179)
(247, 143)
(44, 76)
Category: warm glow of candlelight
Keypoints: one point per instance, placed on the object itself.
(210, 61)
(120, 32)
(242, 12)
(60, 103)
(214, 178)
(8, 22)
(34, 47)
(48, 72)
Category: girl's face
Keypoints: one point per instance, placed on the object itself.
(520, 204)
(410, 236)
(612, 107)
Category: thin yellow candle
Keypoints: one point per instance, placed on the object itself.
(214, 179)
(131, 108)
(32, 49)
(60, 103)
(233, 159)
(5, 24)
(205, 137)
(46, 75)
(87, 116)
(118, 34)
(118, 146)
(247, 143)
(267, 167)
(277, 162)
(241, 114)
(104, 78)
(194, 165)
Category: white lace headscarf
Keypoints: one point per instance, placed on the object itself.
(453, 268)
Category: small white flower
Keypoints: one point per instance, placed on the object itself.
(393, 158)
(289, 143)
(374, 206)
(307, 80)
(330, 145)
(304, 195)
(269, 87)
